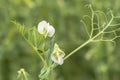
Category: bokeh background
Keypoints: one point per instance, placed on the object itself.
(96, 61)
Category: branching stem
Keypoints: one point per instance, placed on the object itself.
(90, 40)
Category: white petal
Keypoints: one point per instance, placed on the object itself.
(60, 60)
(51, 30)
(41, 26)
(54, 59)
(62, 55)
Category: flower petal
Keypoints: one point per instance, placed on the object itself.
(41, 26)
(60, 60)
(57, 55)
(54, 58)
(46, 29)
(51, 31)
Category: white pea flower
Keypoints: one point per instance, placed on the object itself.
(57, 55)
(46, 29)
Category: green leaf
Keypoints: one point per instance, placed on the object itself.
(49, 51)
(44, 74)
(20, 27)
(31, 35)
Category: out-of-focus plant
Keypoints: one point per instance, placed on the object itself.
(103, 28)
(22, 75)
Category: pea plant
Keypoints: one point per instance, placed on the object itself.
(105, 29)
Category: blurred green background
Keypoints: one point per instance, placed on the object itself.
(96, 61)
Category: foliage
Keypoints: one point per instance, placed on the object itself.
(98, 60)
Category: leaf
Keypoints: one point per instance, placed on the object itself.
(20, 27)
(32, 36)
(44, 74)
(49, 52)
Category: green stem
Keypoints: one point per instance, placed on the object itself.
(34, 48)
(78, 48)
(88, 41)
(92, 14)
